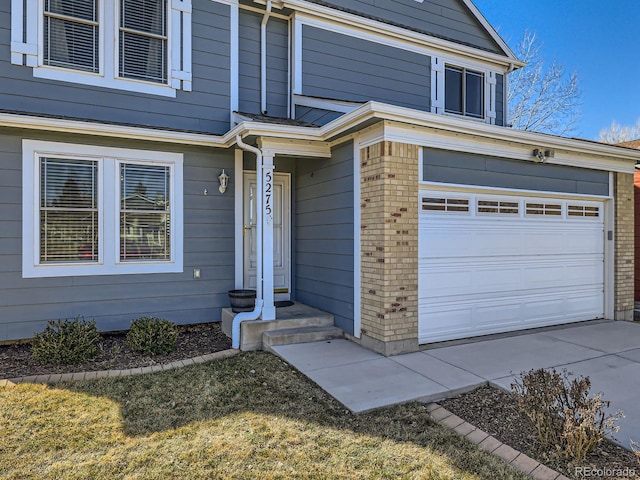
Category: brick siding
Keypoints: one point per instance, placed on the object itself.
(624, 247)
(389, 242)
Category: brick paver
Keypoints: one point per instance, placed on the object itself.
(516, 459)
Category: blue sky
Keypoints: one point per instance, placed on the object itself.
(599, 39)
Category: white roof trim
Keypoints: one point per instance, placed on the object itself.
(409, 120)
(328, 14)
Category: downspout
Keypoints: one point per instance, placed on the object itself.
(255, 313)
(263, 59)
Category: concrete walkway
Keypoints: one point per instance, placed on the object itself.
(609, 353)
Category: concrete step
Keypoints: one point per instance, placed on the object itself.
(290, 336)
(296, 316)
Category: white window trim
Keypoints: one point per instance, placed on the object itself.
(438, 64)
(108, 159)
(27, 48)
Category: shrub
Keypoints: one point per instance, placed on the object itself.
(66, 342)
(565, 415)
(152, 336)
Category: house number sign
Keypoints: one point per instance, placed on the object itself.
(268, 195)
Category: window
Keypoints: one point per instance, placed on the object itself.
(143, 40)
(547, 209)
(68, 210)
(100, 211)
(71, 34)
(497, 207)
(587, 211)
(440, 204)
(464, 92)
(469, 90)
(137, 45)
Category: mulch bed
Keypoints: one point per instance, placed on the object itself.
(193, 341)
(495, 411)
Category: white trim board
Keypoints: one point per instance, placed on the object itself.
(108, 159)
(400, 35)
(409, 126)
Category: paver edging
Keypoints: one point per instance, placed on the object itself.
(513, 457)
(93, 374)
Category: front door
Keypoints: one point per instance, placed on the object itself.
(281, 234)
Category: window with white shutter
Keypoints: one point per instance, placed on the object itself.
(136, 45)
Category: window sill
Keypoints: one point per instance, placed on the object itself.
(79, 270)
(94, 80)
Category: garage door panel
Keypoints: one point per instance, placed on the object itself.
(481, 273)
(471, 280)
(498, 314)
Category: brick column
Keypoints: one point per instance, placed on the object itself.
(389, 247)
(624, 247)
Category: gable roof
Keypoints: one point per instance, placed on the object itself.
(501, 46)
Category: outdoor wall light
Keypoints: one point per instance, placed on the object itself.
(224, 181)
(543, 155)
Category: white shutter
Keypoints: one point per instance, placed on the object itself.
(490, 98)
(437, 85)
(24, 32)
(181, 44)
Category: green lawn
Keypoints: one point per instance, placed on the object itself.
(250, 416)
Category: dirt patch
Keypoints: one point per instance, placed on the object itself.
(193, 341)
(495, 411)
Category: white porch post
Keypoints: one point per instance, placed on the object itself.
(268, 308)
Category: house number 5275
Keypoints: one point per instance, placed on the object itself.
(268, 188)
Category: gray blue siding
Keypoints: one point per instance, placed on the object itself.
(114, 300)
(205, 109)
(500, 100)
(324, 235)
(482, 170)
(449, 19)
(347, 68)
(277, 65)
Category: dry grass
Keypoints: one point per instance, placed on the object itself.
(251, 416)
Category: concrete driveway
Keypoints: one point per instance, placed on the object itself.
(607, 352)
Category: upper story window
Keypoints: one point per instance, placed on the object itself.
(91, 210)
(464, 92)
(71, 35)
(136, 45)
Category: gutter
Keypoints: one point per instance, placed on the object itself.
(257, 310)
(263, 59)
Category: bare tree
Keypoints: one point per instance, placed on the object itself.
(542, 99)
(616, 133)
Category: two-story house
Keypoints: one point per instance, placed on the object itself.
(390, 191)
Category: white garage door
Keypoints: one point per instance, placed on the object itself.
(490, 264)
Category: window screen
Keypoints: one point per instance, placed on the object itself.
(71, 34)
(68, 210)
(145, 219)
(464, 92)
(143, 40)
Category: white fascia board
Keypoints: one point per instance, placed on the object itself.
(409, 126)
(107, 130)
(496, 138)
(287, 146)
(343, 22)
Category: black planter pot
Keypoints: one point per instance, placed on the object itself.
(242, 300)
